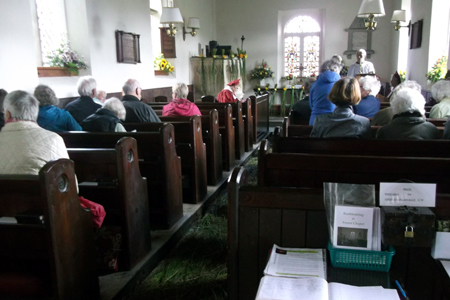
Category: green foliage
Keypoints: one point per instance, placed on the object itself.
(65, 57)
(438, 71)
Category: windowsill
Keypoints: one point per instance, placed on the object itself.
(53, 72)
(161, 73)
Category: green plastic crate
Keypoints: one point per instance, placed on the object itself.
(361, 259)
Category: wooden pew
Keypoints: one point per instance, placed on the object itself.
(158, 162)
(373, 147)
(226, 129)
(305, 130)
(249, 127)
(437, 122)
(213, 141)
(192, 151)
(53, 260)
(260, 112)
(311, 170)
(259, 217)
(111, 177)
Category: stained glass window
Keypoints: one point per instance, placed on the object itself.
(301, 47)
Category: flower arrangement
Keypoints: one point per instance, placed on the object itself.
(402, 75)
(262, 71)
(162, 64)
(289, 77)
(438, 71)
(65, 57)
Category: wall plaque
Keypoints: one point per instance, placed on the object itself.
(127, 47)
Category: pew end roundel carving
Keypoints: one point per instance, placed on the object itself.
(63, 183)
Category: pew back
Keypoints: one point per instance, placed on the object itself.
(58, 252)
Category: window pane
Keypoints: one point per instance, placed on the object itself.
(291, 55)
(302, 24)
(311, 55)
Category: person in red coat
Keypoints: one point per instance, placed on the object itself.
(180, 106)
(228, 94)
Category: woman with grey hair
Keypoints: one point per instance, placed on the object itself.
(441, 93)
(51, 117)
(408, 121)
(318, 96)
(24, 145)
(180, 106)
(369, 104)
(106, 119)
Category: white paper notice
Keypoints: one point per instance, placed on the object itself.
(409, 194)
(353, 227)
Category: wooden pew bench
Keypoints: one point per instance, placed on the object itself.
(111, 177)
(226, 130)
(158, 162)
(192, 151)
(373, 147)
(259, 217)
(54, 259)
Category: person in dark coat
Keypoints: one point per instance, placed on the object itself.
(301, 111)
(408, 122)
(3, 94)
(136, 110)
(106, 119)
(343, 123)
(84, 106)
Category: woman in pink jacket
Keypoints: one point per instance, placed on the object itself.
(180, 106)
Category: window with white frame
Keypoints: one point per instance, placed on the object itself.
(301, 46)
(155, 16)
(52, 26)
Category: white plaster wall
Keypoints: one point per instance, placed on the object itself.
(258, 21)
(418, 58)
(17, 52)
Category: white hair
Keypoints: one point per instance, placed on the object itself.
(407, 84)
(440, 90)
(408, 100)
(130, 86)
(116, 106)
(370, 83)
(86, 85)
(181, 90)
(22, 106)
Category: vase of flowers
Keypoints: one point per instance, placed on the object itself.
(438, 71)
(262, 72)
(65, 57)
(161, 64)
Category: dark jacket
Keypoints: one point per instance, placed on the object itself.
(138, 111)
(82, 107)
(2, 120)
(103, 120)
(367, 107)
(342, 123)
(55, 119)
(301, 111)
(408, 126)
(318, 96)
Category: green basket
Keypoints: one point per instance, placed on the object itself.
(361, 259)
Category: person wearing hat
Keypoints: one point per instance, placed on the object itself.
(228, 94)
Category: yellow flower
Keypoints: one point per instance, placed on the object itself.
(284, 89)
(163, 65)
(241, 55)
(267, 88)
(224, 56)
(274, 89)
(245, 55)
(171, 69)
(201, 55)
(214, 56)
(163, 61)
(259, 89)
(293, 87)
(303, 87)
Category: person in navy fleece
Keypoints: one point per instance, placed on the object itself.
(369, 104)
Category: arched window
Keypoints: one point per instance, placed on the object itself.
(301, 46)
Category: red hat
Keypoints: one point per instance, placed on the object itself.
(234, 82)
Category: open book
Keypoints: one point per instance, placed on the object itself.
(314, 288)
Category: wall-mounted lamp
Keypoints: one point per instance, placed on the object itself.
(193, 24)
(397, 17)
(369, 10)
(171, 16)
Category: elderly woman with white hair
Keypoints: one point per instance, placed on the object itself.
(25, 146)
(369, 104)
(441, 93)
(106, 119)
(408, 121)
(51, 117)
(180, 106)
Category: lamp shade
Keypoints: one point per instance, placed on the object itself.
(398, 15)
(171, 15)
(193, 23)
(371, 7)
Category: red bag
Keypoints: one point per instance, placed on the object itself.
(97, 210)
